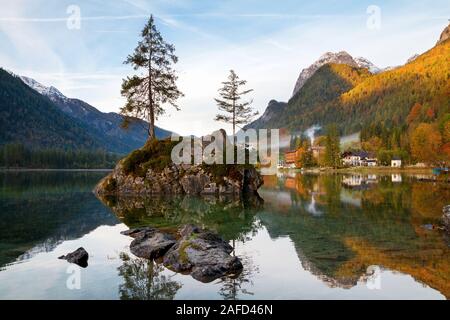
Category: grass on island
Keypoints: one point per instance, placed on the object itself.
(156, 155)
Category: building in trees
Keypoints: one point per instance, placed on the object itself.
(396, 162)
(359, 159)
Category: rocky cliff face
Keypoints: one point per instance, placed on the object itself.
(181, 179)
(273, 110)
(445, 35)
(364, 63)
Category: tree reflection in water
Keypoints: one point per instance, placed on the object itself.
(232, 287)
(143, 280)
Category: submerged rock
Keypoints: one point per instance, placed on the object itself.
(79, 257)
(149, 243)
(202, 253)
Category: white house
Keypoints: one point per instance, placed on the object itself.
(396, 162)
(359, 159)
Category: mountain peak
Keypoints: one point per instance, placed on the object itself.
(445, 35)
(53, 91)
(105, 128)
(50, 92)
(341, 57)
(365, 63)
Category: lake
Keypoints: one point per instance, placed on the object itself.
(314, 237)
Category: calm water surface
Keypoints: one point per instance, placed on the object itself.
(315, 237)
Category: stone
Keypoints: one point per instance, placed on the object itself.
(188, 230)
(194, 184)
(150, 243)
(176, 179)
(252, 181)
(202, 253)
(79, 257)
(135, 233)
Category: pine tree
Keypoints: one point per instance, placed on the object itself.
(307, 157)
(332, 147)
(156, 86)
(238, 112)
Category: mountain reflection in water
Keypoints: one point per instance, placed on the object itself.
(333, 234)
(367, 221)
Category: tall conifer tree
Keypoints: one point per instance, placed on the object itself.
(155, 87)
(237, 112)
(332, 147)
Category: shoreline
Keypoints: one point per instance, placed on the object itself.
(421, 174)
(355, 170)
(52, 170)
(369, 170)
(385, 170)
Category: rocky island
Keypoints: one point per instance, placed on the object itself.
(150, 171)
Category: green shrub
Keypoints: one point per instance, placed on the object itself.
(154, 155)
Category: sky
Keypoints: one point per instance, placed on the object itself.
(267, 43)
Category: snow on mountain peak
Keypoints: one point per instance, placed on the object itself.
(50, 92)
(364, 63)
(341, 57)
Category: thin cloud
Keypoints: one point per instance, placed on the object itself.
(169, 19)
(82, 18)
(71, 76)
(277, 44)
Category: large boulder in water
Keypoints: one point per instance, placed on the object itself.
(149, 243)
(79, 257)
(202, 253)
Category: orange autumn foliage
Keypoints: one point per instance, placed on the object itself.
(426, 142)
(446, 132)
(430, 113)
(414, 113)
(446, 150)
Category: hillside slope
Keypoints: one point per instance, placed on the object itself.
(106, 126)
(302, 111)
(354, 98)
(388, 97)
(31, 119)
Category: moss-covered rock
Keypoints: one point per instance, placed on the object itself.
(150, 170)
(203, 254)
